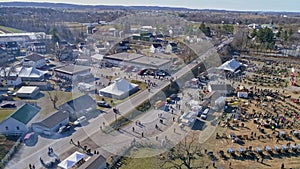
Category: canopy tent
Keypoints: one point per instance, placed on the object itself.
(231, 65)
(71, 160)
(120, 89)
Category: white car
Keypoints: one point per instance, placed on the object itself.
(80, 120)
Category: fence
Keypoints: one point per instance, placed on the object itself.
(12, 151)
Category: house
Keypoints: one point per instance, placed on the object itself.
(12, 48)
(223, 89)
(18, 122)
(34, 60)
(171, 48)
(4, 57)
(52, 123)
(28, 92)
(71, 72)
(13, 81)
(79, 107)
(156, 48)
(37, 47)
(120, 89)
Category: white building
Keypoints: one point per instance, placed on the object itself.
(28, 92)
(18, 122)
(13, 81)
(156, 48)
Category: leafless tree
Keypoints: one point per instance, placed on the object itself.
(184, 154)
(53, 99)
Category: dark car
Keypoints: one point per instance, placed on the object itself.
(103, 104)
(8, 105)
(143, 72)
(162, 73)
(173, 96)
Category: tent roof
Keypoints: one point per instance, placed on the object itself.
(119, 87)
(231, 65)
(71, 160)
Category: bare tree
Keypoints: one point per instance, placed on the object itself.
(53, 99)
(184, 154)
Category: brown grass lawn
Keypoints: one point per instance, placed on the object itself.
(4, 113)
(5, 144)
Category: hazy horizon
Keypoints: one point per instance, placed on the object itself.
(240, 5)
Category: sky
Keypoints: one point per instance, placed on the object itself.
(241, 5)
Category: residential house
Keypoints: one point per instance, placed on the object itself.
(52, 123)
(13, 81)
(37, 47)
(19, 121)
(156, 48)
(12, 49)
(34, 60)
(80, 106)
(171, 48)
(28, 92)
(4, 57)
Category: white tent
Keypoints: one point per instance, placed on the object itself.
(120, 89)
(71, 160)
(25, 73)
(231, 65)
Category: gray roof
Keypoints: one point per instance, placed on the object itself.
(52, 120)
(81, 103)
(72, 69)
(34, 57)
(97, 162)
(218, 87)
(25, 113)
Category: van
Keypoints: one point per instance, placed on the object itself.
(80, 120)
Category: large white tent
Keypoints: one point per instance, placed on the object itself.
(120, 89)
(231, 65)
(71, 160)
(25, 73)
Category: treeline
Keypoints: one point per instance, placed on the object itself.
(45, 19)
(235, 17)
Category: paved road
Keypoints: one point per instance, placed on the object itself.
(112, 141)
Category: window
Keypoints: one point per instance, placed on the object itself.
(18, 128)
(6, 128)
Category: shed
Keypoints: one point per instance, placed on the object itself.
(28, 91)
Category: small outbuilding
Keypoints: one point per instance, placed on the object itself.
(28, 91)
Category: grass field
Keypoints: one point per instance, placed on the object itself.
(4, 113)
(10, 30)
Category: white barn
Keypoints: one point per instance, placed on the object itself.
(18, 122)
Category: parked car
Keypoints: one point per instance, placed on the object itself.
(80, 120)
(64, 128)
(8, 105)
(103, 104)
